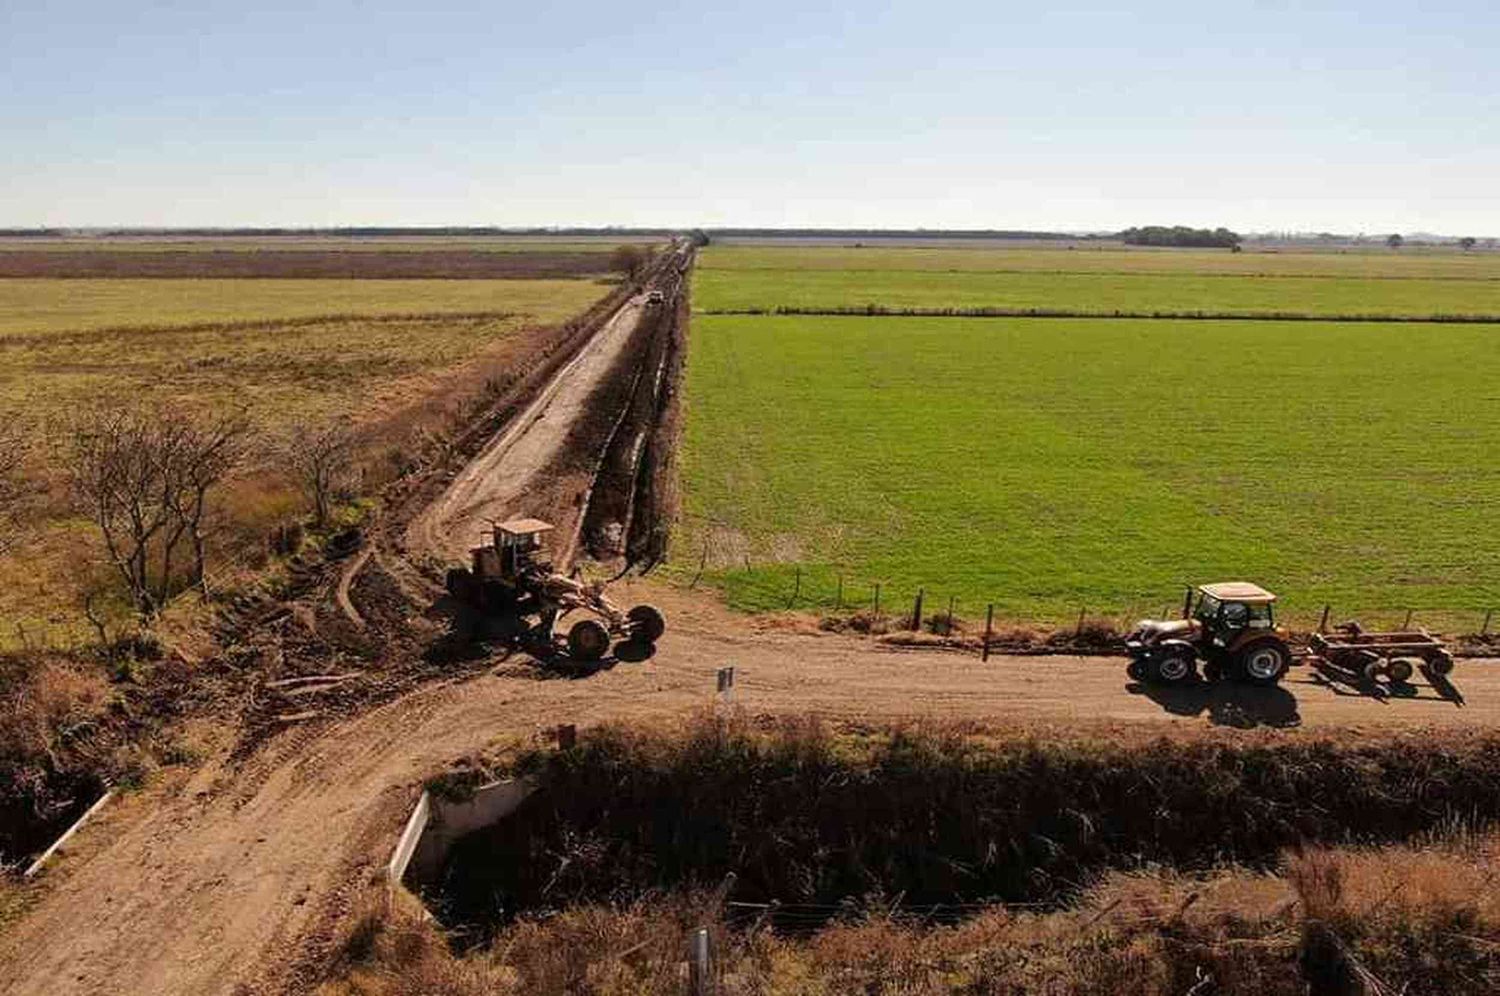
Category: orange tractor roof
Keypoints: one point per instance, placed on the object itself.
(524, 527)
(1238, 591)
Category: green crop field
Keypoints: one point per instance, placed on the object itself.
(31, 306)
(1113, 258)
(812, 288)
(1048, 464)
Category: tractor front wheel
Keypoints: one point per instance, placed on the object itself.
(1172, 668)
(647, 623)
(588, 640)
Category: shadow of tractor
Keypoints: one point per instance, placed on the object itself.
(1226, 703)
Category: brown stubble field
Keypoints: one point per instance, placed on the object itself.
(394, 340)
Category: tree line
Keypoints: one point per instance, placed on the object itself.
(1182, 236)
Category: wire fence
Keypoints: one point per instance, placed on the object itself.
(953, 609)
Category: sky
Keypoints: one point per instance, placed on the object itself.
(1373, 117)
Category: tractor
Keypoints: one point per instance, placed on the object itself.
(510, 591)
(1230, 628)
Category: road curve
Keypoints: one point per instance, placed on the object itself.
(223, 880)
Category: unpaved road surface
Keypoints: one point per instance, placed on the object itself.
(503, 482)
(228, 881)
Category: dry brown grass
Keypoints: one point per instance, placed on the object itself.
(1417, 919)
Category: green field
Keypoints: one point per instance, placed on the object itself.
(28, 306)
(1406, 263)
(813, 288)
(1045, 464)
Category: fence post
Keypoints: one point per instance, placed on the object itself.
(838, 602)
(916, 610)
(1407, 625)
(1078, 630)
(701, 565)
(1485, 631)
(989, 627)
(1323, 624)
(797, 590)
(700, 963)
(952, 601)
(877, 599)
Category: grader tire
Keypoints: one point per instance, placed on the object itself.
(1441, 665)
(460, 584)
(1399, 670)
(588, 640)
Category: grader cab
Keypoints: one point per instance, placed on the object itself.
(510, 591)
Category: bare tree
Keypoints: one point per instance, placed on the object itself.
(629, 260)
(323, 462)
(1467, 243)
(143, 476)
(13, 487)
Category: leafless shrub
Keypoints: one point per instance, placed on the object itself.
(143, 475)
(322, 461)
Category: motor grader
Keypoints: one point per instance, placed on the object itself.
(1230, 628)
(510, 591)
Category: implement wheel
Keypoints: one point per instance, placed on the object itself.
(588, 640)
(647, 623)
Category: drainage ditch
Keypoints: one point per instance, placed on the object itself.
(803, 820)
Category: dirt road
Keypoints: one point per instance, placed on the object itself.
(230, 881)
(506, 478)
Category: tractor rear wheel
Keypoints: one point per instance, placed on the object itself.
(1399, 670)
(1264, 663)
(588, 640)
(648, 624)
(1172, 668)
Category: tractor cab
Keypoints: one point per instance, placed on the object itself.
(517, 548)
(1228, 611)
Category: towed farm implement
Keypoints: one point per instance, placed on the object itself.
(1229, 629)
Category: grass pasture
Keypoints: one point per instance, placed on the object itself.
(1087, 292)
(1110, 258)
(1045, 464)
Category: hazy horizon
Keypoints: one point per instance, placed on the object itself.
(945, 115)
